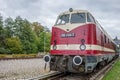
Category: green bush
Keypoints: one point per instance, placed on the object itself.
(14, 45)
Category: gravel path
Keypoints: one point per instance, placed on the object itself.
(21, 69)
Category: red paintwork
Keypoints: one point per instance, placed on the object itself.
(92, 35)
(79, 34)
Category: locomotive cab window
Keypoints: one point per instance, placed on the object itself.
(90, 18)
(62, 19)
(78, 18)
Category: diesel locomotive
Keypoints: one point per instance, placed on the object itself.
(79, 44)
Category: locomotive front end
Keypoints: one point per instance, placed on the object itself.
(69, 42)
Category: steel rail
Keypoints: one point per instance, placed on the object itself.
(45, 76)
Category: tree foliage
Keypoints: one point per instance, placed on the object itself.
(14, 45)
(1, 31)
(44, 42)
(9, 26)
(21, 36)
(2, 36)
(37, 28)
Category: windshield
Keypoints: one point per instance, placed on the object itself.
(78, 18)
(63, 19)
(90, 18)
(75, 18)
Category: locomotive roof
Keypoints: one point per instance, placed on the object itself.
(74, 11)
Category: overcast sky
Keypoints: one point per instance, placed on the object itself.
(107, 12)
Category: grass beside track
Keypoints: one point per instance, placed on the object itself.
(114, 73)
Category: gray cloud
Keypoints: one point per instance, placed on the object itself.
(46, 11)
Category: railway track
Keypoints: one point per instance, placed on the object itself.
(98, 75)
(48, 76)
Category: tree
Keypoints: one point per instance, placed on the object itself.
(1, 22)
(2, 36)
(18, 25)
(14, 45)
(45, 38)
(48, 39)
(20, 36)
(26, 35)
(37, 28)
(1, 31)
(9, 27)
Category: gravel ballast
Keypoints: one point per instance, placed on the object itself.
(21, 68)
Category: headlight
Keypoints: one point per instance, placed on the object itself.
(54, 47)
(82, 47)
(77, 60)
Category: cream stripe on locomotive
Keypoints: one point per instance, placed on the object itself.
(70, 26)
(77, 47)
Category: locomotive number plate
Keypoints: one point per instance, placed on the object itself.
(68, 35)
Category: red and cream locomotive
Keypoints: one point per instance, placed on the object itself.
(79, 44)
